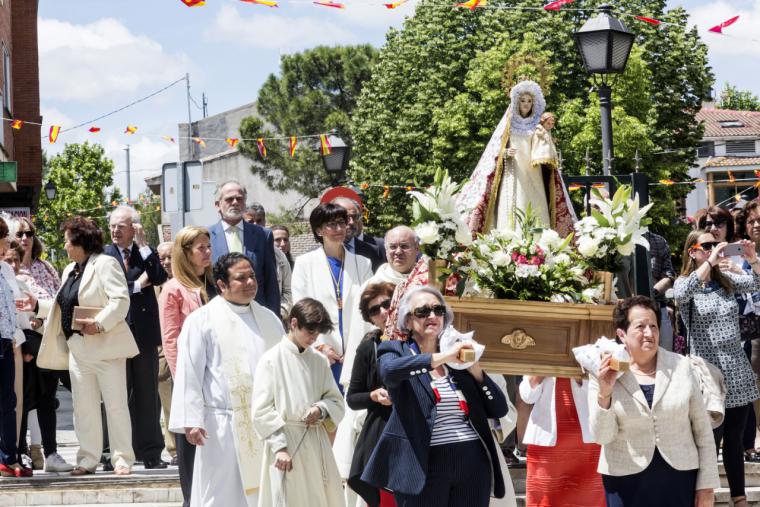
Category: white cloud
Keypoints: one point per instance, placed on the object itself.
(376, 15)
(275, 31)
(738, 38)
(100, 60)
(147, 155)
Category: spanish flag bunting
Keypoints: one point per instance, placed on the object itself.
(200, 142)
(131, 129)
(573, 187)
(293, 144)
(334, 5)
(268, 3)
(557, 5)
(94, 130)
(168, 138)
(731, 177)
(651, 21)
(261, 147)
(194, 3)
(324, 144)
(719, 28)
(667, 182)
(471, 4)
(232, 141)
(53, 134)
(395, 4)
(599, 185)
(17, 124)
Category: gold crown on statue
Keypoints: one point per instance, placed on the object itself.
(524, 67)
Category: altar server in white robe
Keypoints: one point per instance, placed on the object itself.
(295, 403)
(219, 349)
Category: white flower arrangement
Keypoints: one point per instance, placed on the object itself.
(613, 229)
(437, 221)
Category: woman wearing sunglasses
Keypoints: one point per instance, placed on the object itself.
(366, 391)
(705, 295)
(720, 223)
(437, 447)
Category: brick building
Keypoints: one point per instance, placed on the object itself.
(20, 150)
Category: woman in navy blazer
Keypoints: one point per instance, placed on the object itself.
(437, 447)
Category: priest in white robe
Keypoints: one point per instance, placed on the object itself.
(295, 403)
(219, 349)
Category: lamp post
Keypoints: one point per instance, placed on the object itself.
(604, 43)
(50, 190)
(336, 162)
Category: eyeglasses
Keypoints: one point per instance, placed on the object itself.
(753, 221)
(374, 310)
(707, 246)
(404, 247)
(718, 224)
(28, 234)
(424, 311)
(337, 224)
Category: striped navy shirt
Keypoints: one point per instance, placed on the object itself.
(450, 425)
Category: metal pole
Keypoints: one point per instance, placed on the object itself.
(180, 167)
(129, 183)
(605, 107)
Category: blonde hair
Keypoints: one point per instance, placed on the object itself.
(182, 267)
(546, 116)
(689, 265)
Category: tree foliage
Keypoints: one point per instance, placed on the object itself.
(440, 88)
(82, 174)
(738, 100)
(315, 92)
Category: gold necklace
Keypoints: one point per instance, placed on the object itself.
(336, 283)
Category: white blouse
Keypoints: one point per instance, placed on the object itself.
(542, 425)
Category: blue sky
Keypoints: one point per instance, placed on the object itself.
(97, 55)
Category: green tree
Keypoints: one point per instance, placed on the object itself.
(315, 92)
(738, 100)
(440, 88)
(82, 174)
(148, 205)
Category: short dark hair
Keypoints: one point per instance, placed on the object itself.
(84, 233)
(280, 228)
(718, 213)
(310, 313)
(624, 307)
(3, 228)
(324, 213)
(225, 262)
(371, 292)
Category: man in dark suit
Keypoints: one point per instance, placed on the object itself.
(233, 234)
(143, 271)
(356, 241)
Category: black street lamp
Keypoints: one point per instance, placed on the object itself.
(50, 190)
(336, 162)
(604, 44)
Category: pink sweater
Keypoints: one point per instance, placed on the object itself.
(175, 303)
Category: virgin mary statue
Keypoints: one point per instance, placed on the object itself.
(518, 167)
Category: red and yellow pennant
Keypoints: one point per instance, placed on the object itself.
(668, 182)
(471, 4)
(324, 145)
(131, 129)
(573, 187)
(232, 141)
(53, 134)
(94, 129)
(261, 147)
(194, 3)
(17, 124)
(334, 5)
(168, 138)
(395, 4)
(200, 142)
(651, 21)
(268, 3)
(557, 5)
(386, 191)
(293, 145)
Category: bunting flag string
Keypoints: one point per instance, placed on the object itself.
(261, 147)
(324, 145)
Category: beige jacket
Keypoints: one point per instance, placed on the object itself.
(103, 286)
(677, 424)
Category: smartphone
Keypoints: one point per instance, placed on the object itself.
(732, 249)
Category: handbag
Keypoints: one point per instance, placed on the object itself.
(712, 383)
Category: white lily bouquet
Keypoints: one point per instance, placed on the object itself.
(613, 229)
(529, 264)
(437, 221)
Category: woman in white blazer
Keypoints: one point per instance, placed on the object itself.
(562, 454)
(96, 354)
(657, 442)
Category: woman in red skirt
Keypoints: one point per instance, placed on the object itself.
(562, 458)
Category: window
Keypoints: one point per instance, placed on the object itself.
(706, 149)
(742, 147)
(731, 124)
(724, 192)
(7, 79)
